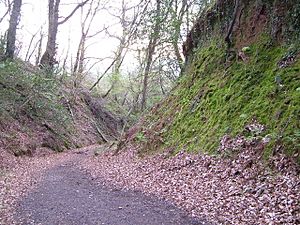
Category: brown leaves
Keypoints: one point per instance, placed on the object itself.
(227, 191)
(236, 190)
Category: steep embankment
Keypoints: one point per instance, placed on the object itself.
(234, 94)
(237, 100)
(39, 113)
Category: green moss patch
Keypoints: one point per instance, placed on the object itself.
(213, 99)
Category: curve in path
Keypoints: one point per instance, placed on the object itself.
(68, 196)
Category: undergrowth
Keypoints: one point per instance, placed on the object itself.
(28, 94)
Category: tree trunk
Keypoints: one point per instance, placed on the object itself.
(76, 63)
(48, 58)
(12, 30)
(231, 26)
(150, 51)
(82, 56)
(177, 30)
(39, 52)
(79, 61)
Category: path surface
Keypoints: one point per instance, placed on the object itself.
(67, 195)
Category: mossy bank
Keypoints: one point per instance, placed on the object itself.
(223, 90)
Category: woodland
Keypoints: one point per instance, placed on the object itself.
(149, 112)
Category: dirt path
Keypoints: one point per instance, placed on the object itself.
(67, 195)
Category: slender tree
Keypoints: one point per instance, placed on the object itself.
(129, 33)
(12, 30)
(87, 20)
(154, 37)
(39, 48)
(178, 17)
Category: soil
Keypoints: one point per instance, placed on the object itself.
(68, 195)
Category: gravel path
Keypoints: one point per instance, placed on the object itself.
(66, 195)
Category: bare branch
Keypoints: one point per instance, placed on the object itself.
(30, 44)
(73, 12)
(93, 65)
(105, 72)
(7, 11)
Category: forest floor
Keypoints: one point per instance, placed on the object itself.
(55, 190)
(95, 186)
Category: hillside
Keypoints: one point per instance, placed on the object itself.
(225, 144)
(222, 147)
(245, 92)
(40, 114)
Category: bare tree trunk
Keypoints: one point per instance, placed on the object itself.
(48, 58)
(28, 54)
(108, 91)
(182, 12)
(162, 85)
(79, 61)
(76, 63)
(229, 32)
(150, 51)
(81, 58)
(33, 51)
(39, 52)
(86, 23)
(12, 30)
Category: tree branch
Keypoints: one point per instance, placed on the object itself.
(73, 12)
(6, 13)
(105, 72)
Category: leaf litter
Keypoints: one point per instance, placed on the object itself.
(240, 189)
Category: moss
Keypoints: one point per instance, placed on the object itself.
(212, 100)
